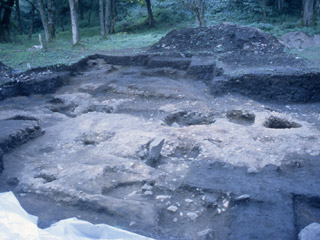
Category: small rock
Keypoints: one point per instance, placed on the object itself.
(192, 215)
(154, 152)
(162, 197)
(146, 187)
(188, 200)
(206, 234)
(132, 224)
(242, 197)
(176, 125)
(175, 220)
(209, 201)
(148, 193)
(310, 232)
(252, 170)
(172, 208)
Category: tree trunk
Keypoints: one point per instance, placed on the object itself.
(74, 21)
(108, 17)
(263, 4)
(18, 16)
(200, 13)
(31, 22)
(44, 20)
(101, 17)
(51, 22)
(280, 5)
(150, 14)
(113, 16)
(308, 11)
(5, 20)
(90, 10)
(197, 7)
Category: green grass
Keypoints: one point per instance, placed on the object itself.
(60, 51)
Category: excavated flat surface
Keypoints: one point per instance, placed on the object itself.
(230, 167)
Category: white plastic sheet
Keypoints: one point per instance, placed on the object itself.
(17, 224)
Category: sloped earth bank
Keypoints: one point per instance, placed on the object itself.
(169, 146)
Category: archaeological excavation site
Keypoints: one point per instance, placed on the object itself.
(212, 133)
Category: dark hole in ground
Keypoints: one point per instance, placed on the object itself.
(241, 117)
(185, 118)
(280, 123)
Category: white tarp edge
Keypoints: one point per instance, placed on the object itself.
(17, 224)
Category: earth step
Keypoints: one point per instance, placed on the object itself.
(178, 63)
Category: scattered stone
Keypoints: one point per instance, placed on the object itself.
(162, 197)
(206, 234)
(175, 220)
(242, 197)
(148, 193)
(154, 152)
(172, 208)
(310, 232)
(132, 224)
(192, 216)
(146, 187)
(209, 201)
(252, 170)
(188, 200)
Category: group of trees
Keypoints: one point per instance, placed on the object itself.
(50, 13)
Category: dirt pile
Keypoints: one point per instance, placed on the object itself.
(219, 39)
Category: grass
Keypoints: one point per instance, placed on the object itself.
(60, 51)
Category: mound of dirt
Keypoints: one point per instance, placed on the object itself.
(222, 38)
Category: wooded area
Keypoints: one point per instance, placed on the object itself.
(31, 16)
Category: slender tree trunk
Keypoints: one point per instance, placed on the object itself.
(31, 21)
(200, 13)
(280, 5)
(51, 22)
(263, 4)
(90, 11)
(101, 17)
(5, 20)
(74, 21)
(197, 7)
(18, 16)
(44, 20)
(108, 17)
(308, 11)
(150, 14)
(113, 16)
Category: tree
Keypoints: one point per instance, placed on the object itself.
(150, 14)
(308, 11)
(109, 16)
(197, 7)
(74, 21)
(18, 16)
(51, 22)
(5, 15)
(44, 20)
(102, 20)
